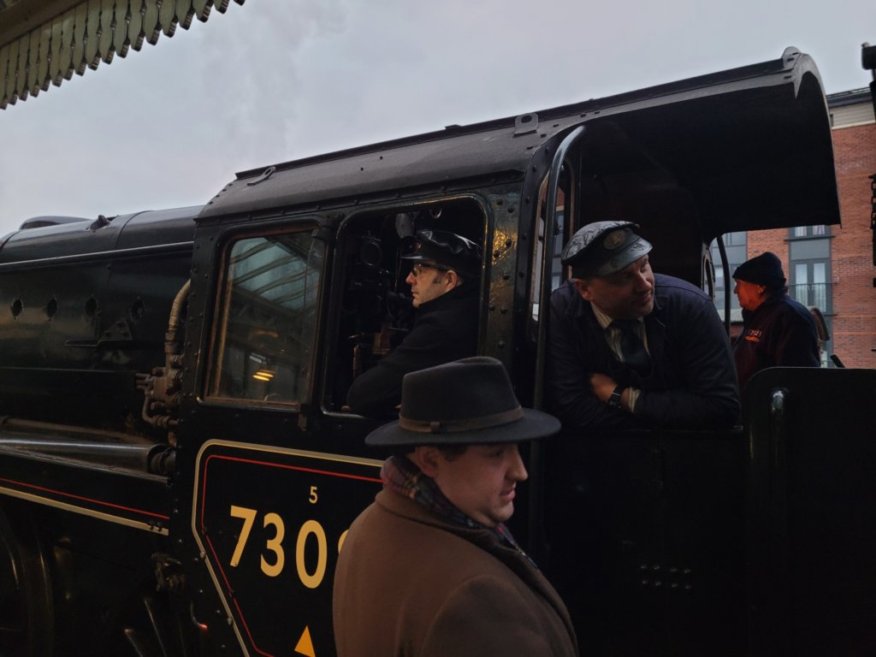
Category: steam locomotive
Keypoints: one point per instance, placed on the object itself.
(178, 466)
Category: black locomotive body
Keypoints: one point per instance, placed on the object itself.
(178, 467)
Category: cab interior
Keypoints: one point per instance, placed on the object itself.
(373, 298)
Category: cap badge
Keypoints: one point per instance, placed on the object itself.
(613, 240)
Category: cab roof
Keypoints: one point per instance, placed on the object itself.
(751, 144)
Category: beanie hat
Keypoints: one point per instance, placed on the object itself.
(765, 269)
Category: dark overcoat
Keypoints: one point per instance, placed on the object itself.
(410, 584)
(692, 383)
(445, 329)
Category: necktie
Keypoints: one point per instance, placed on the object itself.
(633, 351)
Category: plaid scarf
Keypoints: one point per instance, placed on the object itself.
(402, 476)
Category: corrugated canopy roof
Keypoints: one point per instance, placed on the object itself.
(43, 42)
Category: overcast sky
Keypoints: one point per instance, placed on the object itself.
(275, 80)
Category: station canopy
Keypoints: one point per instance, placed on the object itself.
(44, 42)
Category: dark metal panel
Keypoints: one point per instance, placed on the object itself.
(159, 227)
(92, 488)
(812, 537)
(83, 307)
(646, 541)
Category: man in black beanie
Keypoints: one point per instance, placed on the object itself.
(776, 330)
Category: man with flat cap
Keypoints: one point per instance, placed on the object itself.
(631, 349)
(445, 294)
(776, 329)
(430, 569)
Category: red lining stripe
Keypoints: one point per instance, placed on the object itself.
(82, 498)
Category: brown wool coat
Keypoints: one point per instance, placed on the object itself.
(408, 584)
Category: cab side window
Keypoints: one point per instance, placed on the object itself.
(266, 336)
(373, 294)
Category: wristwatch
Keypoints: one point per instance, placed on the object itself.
(615, 399)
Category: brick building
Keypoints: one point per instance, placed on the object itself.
(832, 267)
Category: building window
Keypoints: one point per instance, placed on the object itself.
(800, 232)
(809, 284)
(809, 277)
(735, 245)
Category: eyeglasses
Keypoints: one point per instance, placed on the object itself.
(418, 269)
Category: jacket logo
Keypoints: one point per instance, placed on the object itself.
(753, 335)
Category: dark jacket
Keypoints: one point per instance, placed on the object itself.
(692, 383)
(780, 331)
(410, 584)
(445, 329)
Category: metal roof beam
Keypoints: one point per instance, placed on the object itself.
(43, 42)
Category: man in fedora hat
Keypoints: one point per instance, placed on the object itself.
(443, 278)
(777, 330)
(631, 349)
(430, 569)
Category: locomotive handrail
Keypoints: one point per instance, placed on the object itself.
(544, 294)
(35, 426)
(100, 455)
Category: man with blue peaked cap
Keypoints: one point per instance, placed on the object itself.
(430, 569)
(631, 349)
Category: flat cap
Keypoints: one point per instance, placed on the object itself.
(603, 248)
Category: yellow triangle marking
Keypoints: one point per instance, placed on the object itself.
(305, 644)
